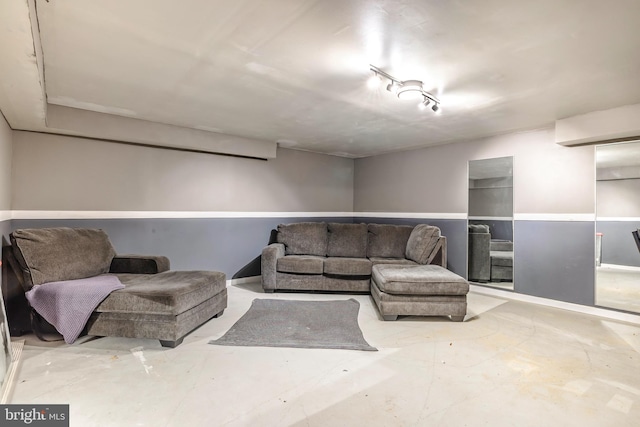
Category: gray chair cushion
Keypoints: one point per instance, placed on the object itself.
(418, 280)
(347, 240)
(347, 266)
(300, 264)
(303, 238)
(478, 228)
(388, 241)
(502, 258)
(422, 241)
(501, 245)
(56, 254)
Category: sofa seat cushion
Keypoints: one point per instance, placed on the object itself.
(347, 240)
(422, 241)
(171, 292)
(303, 238)
(502, 258)
(300, 264)
(418, 280)
(388, 241)
(380, 260)
(347, 266)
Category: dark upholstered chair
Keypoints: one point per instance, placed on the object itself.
(155, 302)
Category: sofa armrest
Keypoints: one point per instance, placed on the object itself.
(139, 264)
(268, 263)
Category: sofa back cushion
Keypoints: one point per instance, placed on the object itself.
(55, 254)
(347, 240)
(422, 241)
(303, 238)
(478, 228)
(388, 241)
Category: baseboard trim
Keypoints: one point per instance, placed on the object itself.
(583, 309)
(620, 267)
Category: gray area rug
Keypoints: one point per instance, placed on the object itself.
(299, 324)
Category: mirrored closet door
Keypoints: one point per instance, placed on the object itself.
(490, 217)
(617, 226)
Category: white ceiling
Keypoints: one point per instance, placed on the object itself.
(295, 71)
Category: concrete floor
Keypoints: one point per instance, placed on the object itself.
(509, 363)
(618, 287)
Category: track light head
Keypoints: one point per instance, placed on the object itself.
(435, 107)
(374, 81)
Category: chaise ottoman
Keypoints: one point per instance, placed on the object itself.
(418, 290)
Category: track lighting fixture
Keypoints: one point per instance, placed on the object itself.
(407, 89)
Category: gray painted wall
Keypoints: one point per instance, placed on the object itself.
(555, 259)
(6, 148)
(230, 245)
(618, 198)
(496, 202)
(499, 229)
(55, 172)
(618, 246)
(490, 196)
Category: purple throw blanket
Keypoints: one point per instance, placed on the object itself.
(68, 304)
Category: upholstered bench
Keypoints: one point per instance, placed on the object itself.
(418, 290)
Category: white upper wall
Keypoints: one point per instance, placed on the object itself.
(6, 146)
(55, 172)
(548, 178)
(618, 198)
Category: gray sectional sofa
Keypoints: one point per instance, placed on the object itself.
(319, 256)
